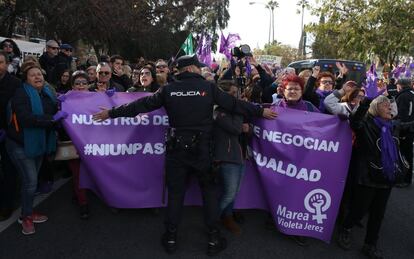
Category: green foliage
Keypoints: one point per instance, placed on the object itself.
(150, 28)
(287, 53)
(360, 29)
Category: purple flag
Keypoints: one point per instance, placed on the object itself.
(204, 49)
(123, 162)
(223, 44)
(226, 44)
(206, 57)
(199, 50)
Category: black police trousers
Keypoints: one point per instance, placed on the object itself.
(180, 164)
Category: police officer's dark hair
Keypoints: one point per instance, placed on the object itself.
(225, 85)
(4, 54)
(115, 57)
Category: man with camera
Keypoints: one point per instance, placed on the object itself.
(246, 62)
(189, 105)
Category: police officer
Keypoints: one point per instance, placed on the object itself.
(189, 103)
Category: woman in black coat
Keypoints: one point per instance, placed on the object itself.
(379, 165)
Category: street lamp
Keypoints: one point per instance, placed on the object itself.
(302, 41)
(271, 5)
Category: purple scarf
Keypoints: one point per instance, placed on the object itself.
(299, 105)
(389, 151)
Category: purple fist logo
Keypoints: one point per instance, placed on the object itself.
(316, 202)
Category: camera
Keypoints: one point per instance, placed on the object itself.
(242, 51)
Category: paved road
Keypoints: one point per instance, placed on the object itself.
(136, 234)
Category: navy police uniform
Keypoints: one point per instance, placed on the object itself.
(189, 102)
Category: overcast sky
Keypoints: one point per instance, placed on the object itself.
(252, 22)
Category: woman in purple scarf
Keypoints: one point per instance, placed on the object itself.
(378, 167)
(291, 89)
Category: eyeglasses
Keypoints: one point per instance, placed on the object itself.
(327, 82)
(145, 73)
(7, 45)
(81, 82)
(104, 73)
(293, 89)
(54, 48)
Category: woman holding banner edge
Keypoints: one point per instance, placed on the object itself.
(30, 136)
(291, 90)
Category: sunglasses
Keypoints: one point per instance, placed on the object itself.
(70, 50)
(327, 82)
(82, 82)
(161, 66)
(104, 73)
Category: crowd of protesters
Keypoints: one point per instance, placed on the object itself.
(382, 123)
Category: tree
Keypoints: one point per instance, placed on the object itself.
(288, 53)
(151, 28)
(361, 29)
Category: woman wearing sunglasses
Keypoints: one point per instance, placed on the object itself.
(13, 53)
(147, 81)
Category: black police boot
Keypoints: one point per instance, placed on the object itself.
(216, 243)
(169, 240)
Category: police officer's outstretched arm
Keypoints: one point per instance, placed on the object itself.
(234, 105)
(145, 104)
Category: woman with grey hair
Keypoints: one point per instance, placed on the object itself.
(379, 165)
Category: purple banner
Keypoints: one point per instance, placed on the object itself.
(298, 170)
(303, 161)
